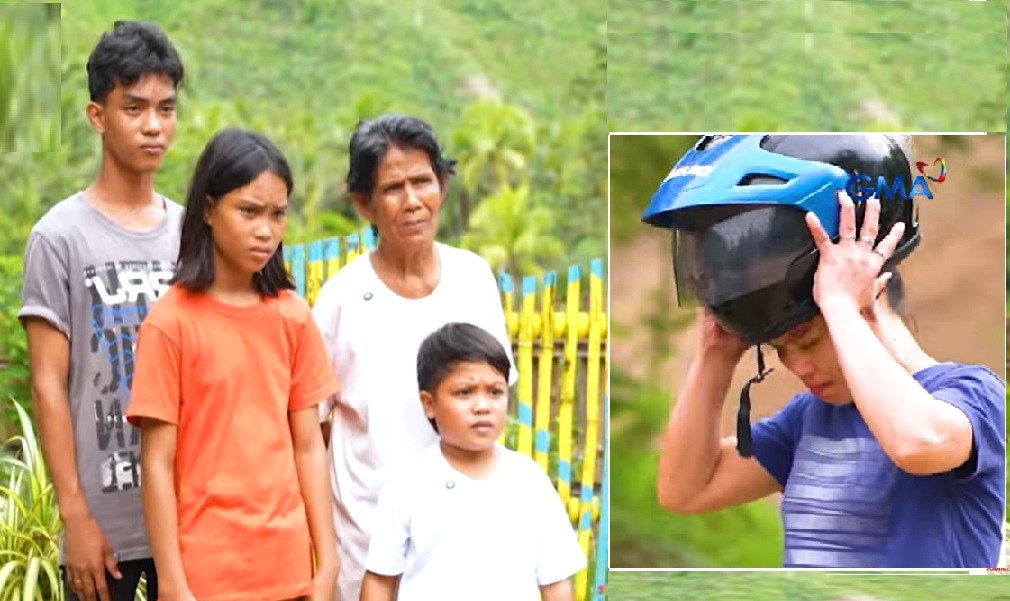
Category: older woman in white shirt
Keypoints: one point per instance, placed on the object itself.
(375, 312)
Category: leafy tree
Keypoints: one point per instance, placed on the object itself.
(514, 233)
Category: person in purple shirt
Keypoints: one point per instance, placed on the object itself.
(892, 458)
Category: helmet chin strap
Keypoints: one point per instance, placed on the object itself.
(743, 439)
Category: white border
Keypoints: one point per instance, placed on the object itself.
(829, 571)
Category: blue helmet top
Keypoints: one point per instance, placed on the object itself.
(736, 170)
(736, 205)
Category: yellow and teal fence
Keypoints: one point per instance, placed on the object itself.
(560, 409)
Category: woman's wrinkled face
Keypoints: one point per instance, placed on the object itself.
(808, 352)
(407, 198)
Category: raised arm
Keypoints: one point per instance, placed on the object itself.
(698, 470)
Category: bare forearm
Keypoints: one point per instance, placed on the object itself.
(163, 522)
(691, 444)
(903, 417)
(314, 478)
(56, 433)
(375, 587)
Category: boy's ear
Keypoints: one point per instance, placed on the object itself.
(96, 117)
(428, 402)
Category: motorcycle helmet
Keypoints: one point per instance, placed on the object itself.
(741, 247)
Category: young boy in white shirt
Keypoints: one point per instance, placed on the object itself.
(467, 518)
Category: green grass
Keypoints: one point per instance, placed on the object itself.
(802, 586)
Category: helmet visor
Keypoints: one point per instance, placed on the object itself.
(739, 255)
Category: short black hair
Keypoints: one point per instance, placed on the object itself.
(130, 51)
(371, 141)
(456, 343)
(232, 159)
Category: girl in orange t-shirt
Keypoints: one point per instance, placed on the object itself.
(229, 368)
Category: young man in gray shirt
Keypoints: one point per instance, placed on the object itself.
(94, 265)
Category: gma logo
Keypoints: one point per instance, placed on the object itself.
(861, 187)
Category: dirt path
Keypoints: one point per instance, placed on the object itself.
(955, 282)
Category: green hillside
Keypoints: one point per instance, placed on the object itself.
(802, 16)
(898, 64)
(415, 53)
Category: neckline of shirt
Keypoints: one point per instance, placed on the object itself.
(108, 223)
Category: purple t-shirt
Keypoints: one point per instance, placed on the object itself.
(847, 505)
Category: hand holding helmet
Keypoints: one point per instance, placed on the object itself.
(848, 272)
(717, 342)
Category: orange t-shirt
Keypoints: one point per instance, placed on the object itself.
(227, 376)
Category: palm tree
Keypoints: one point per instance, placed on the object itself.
(514, 233)
(495, 141)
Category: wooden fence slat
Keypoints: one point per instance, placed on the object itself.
(298, 266)
(511, 322)
(543, 412)
(315, 275)
(331, 256)
(567, 397)
(602, 543)
(353, 248)
(526, 334)
(587, 482)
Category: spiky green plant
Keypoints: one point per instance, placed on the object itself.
(29, 520)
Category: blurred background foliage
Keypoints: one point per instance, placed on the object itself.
(29, 77)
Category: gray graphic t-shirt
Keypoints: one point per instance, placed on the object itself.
(95, 281)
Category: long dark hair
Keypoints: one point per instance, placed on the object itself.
(232, 159)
